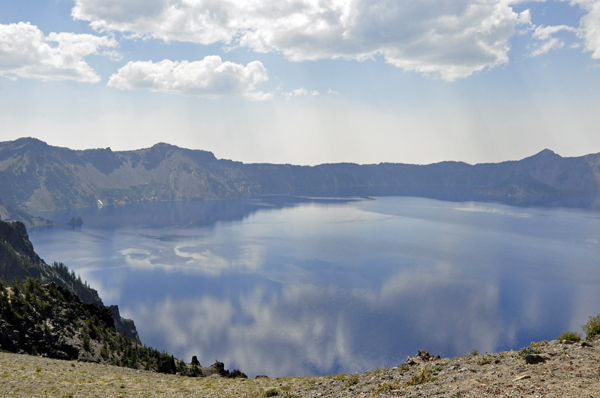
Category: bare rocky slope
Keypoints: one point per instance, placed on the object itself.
(37, 177)
(567, 370)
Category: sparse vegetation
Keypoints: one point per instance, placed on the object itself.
(474, 353)
(424, 375)
(570, 336)
(353, 380)
(485, 360)
(534, 348)
(592, 327)
(272, 392)
(386, 387)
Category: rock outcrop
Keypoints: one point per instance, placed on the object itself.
(124, 325)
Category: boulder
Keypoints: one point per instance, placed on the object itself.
(533, 359)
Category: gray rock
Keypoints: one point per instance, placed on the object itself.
(421, 357)
(522, 377)
(533, 359)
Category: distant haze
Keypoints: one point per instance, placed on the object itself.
(305, 82)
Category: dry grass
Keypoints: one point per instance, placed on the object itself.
(30, 376)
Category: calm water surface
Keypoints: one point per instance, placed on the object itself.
(295, 286)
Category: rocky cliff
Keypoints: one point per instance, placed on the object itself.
(19, 261)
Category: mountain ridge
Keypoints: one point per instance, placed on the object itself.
(37, 177)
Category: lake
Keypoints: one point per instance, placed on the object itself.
(301, 286)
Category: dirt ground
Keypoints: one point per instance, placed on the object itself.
(565, 370)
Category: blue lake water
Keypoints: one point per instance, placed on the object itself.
(300, 286)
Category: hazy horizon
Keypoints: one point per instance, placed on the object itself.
(235, 160)
(305, 82)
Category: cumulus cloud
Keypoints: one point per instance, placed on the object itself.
(210, 77)
(26, 52)
(451, 38)
(589, 29)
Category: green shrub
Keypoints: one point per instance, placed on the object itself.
(104, 351)
(85, 339)
(273, 392)
(592, 327)
(570, 336)
(535, 348)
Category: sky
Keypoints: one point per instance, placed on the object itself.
(305, 81)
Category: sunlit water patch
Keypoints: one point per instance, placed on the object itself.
(295, 286)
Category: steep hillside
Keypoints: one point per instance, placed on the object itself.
(8, 213)
(37, 177)
(51, 321)
(18, 261)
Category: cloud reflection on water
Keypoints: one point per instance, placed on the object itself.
(304, 329)
(340, 287)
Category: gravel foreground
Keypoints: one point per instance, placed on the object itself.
(565, 370)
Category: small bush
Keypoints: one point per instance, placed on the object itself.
(353, 379)
(535, 348)
(592, 327)
(485, 360)
(236, 373)
(424, 376)
(386, 387)
(475, 353)
(273, 392)
(570, 336)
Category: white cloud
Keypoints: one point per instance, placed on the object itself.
(258, 96)
(210, 77)
(25, 52)
(545, 33)
(552, 44)
(302, 92)
(589, 28)
(452, 38)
